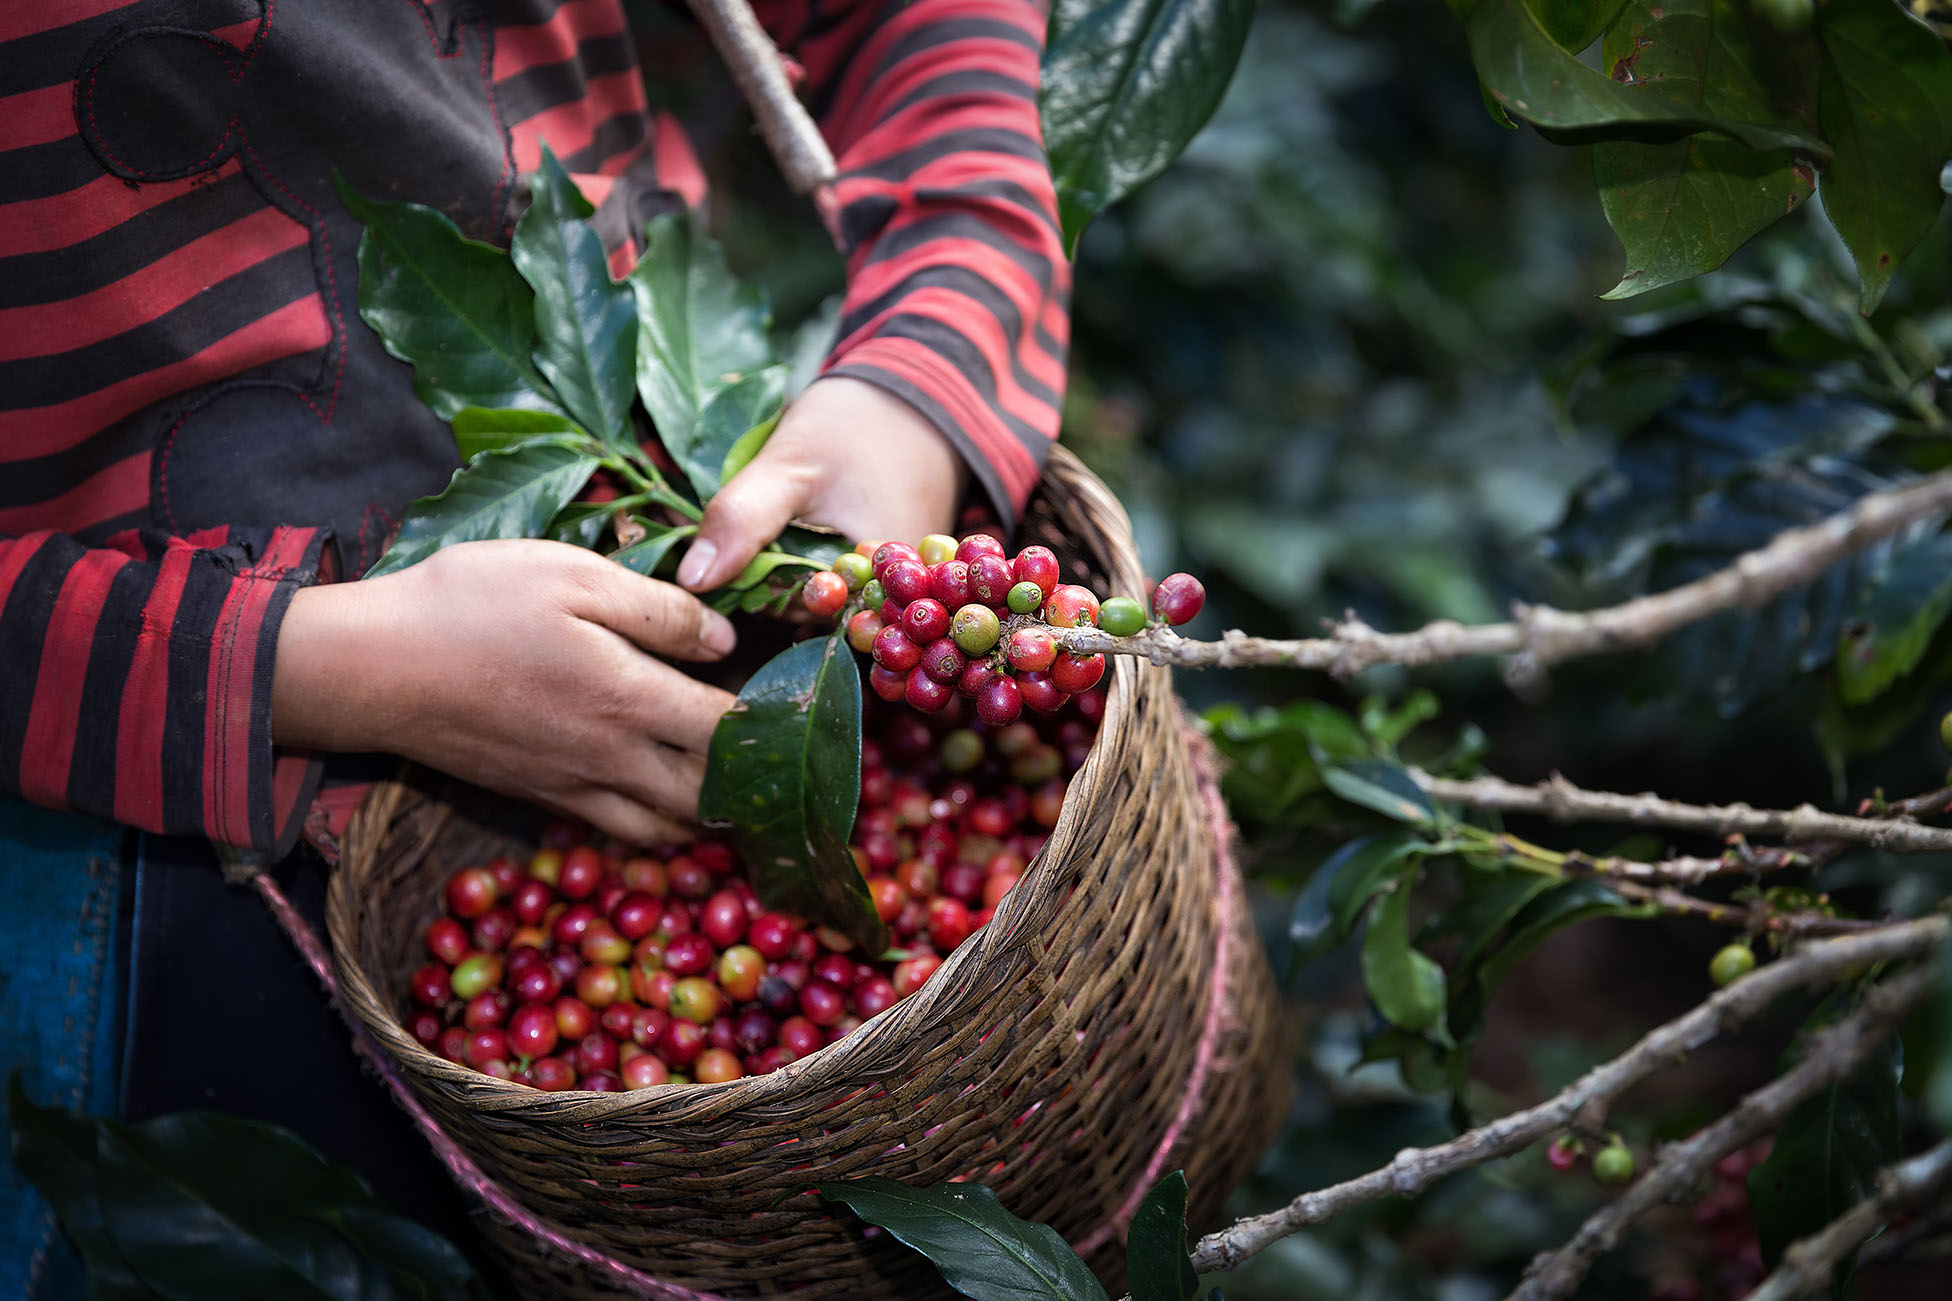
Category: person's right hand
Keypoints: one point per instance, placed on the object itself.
(526, 667)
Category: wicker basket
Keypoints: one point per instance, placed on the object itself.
(1086, 1040)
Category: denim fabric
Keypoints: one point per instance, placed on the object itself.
(60, 991)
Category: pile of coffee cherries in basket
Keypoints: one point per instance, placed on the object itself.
(594, 968)
(947, 618)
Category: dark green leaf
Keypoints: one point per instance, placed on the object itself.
(1564, 905)
(479, 429)
(1311, 924)
(700, 330)
(982, 1250)
(581, 523)
(1895, 619)
(1126, 86)
(1408, 988)
(814, 544)
(740, 454)
(1482, 915)
(202, 1207)
(643, 556)
(1271, 754)
(1384, 858)
(1938, 1087)
(1681, 208)
(454, 309)
(1575, 24)
(1886, 108)
(1157, 1267)
(506, 494)
(1383, 786)
(1827, 1154)
(1533, 78)
(586, 323)
(741, 413)
(1386, 727)
(783, 778)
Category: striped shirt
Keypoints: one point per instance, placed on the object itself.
(194, 422)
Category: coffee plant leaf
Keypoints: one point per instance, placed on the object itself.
(581, 524)
(1386, 726)
(203, 1205)
(1382, 786)
(1566, 904)
(1938, 1083)
(1348, 878)
(782, 781)
(1896, 617)
(1536, 80)
(1575, 24)
(1406, 986)
(1481, 916)
(701, 331)
(454, 309)
(1273, 772)
(585, 322)
(739, 417)
(1157, 1267)
(480, 429)
(644, 555)
(513, 493)
(1826, 1156)
(981, 1249)
(1886, 107)
(1126, 86)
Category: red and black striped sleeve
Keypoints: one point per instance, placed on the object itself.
(957, 284)
(135, 679)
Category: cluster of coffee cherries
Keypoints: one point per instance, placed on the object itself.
(1729, 1254)
(948, 618)
(1612, 1164)
(591, 967)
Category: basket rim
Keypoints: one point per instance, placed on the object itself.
(1104, 530)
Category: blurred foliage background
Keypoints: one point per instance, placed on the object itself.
(1349, 354)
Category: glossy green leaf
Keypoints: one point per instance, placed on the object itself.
(1157, 1267)
(1383, 786)
(740, 454)
(1895, 619)
(644, 556)
(1886, 108)
(982, 1250)
(1354, 883)
(1575, 24)
(1408, 988)
(202, 1207)
(1828, 1152)
(1564, 905)
(581, 524)
(1529, 74)
(701, 331)
(480, 429)
(1126, 86)
(1313, 924)
(782, 781)
(1386, 727)
(455, 309)
(733, 416)
(586, 323)
(1482, 915)
(513, 493)
(1272, 756)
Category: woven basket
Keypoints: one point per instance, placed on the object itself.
(1085, 1041)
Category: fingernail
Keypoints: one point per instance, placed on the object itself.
(697, 562)
(717, 634)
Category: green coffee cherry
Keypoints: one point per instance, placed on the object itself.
(1121, 616)
(961, 750)
(1731, 964)
(1613, 1165)
(1025, 598)
(976, 629)
(854, 569)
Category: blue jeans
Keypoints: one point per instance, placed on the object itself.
(61, 887)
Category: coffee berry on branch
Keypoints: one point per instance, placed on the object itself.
(948, 617)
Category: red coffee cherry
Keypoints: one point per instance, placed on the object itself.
(895, 652)
(862, 628)
(1000, 702)
(1037, 565)
(1030, 650)
(928, 695)
(1178, 598)
(1071, 606)
(905, 581)
(990, 581)
(1040, 693)
(888, 684)
(824, 594)
(447, 940)
(471, 892)
(943, 660)
(925, 620)
(949, 584)
(978, 544)
(1074, 673)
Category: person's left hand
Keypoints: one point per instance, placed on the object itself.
(846, 455)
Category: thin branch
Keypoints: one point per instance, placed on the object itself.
(1560, 800)
(1756, 916)
(1833, 1054)
(755, 65)
(1809, 1262)
(1538, 635)
(1414, 1169)
(1686, 870)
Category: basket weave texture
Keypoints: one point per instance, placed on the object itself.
(1048, 1058)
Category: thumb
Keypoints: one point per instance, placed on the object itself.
(748, 513)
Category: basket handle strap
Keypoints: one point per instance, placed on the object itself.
(459, 1164)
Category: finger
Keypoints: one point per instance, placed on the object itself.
(663, 779)
(657, 617)
(628, 820)
(748, 513)
(678, 711)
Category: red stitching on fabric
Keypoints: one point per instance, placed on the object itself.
(162, 469)
(95, 134)
(257, 41)
(433, 38)
(331, 283)
(495, 115)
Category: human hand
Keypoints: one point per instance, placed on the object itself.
(846, 455)
(523, 666)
